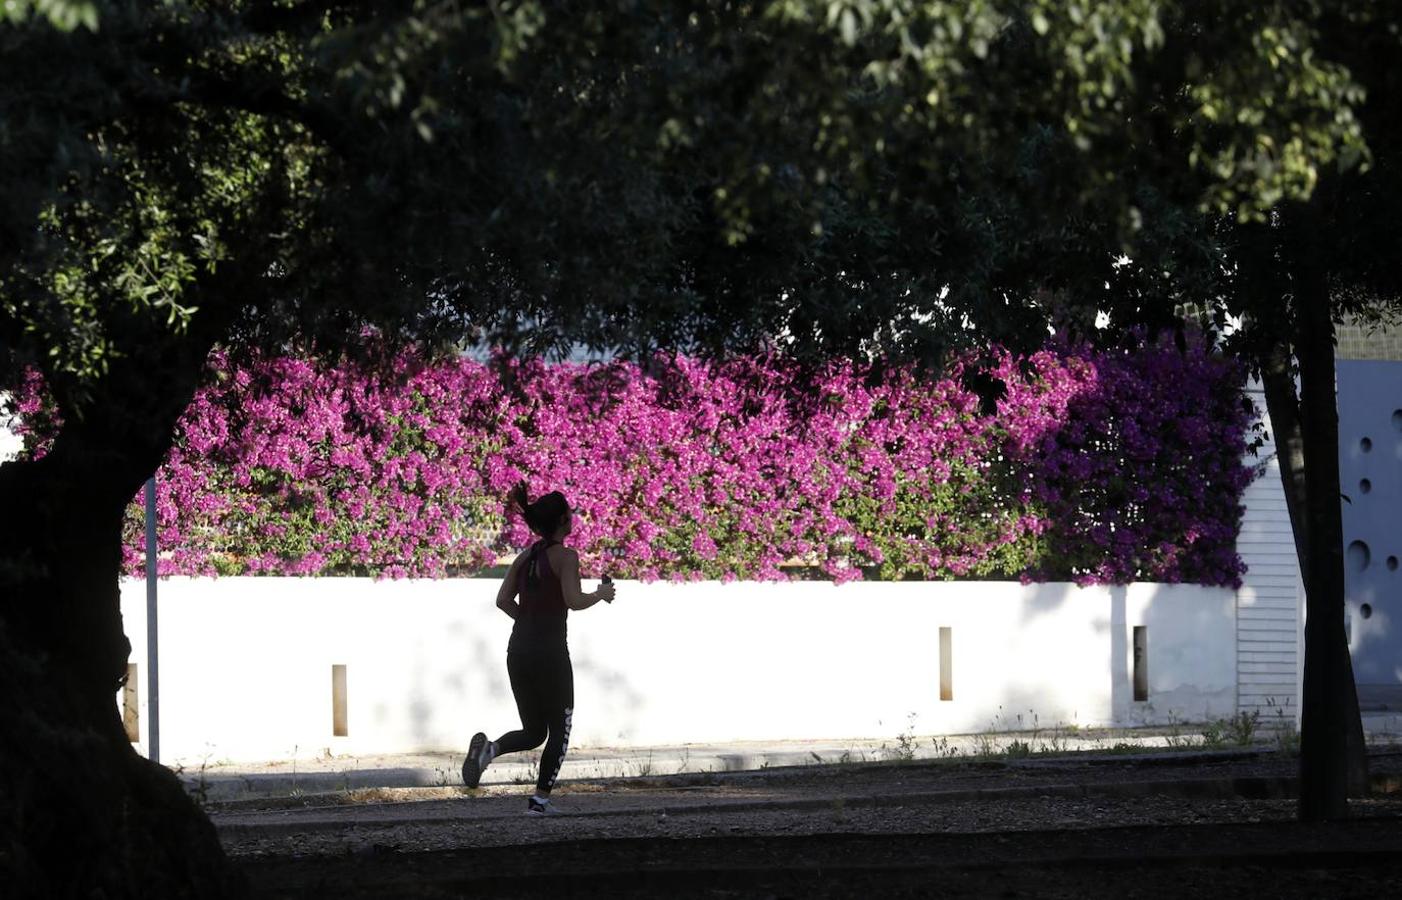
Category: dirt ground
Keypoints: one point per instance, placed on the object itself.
(1038, 828)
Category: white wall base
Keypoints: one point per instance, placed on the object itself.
(245, 665)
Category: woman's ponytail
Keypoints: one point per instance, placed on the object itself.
(542, 516)
(520, 499)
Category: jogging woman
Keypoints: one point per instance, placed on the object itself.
(546, 578)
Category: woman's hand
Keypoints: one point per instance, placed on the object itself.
(571, 586)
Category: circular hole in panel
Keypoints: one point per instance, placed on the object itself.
(1366, 610)
(1359, 556)
(1397, 419)
(1392, 564)
(1366, 445)
(1365, 485)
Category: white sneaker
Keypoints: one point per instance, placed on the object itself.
(537, 807)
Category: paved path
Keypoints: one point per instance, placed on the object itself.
(891, 828)
(224, 781)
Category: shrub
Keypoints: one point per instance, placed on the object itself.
(1094, 466)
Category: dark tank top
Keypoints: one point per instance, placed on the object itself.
(541, 621)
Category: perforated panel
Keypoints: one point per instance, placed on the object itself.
(1370, 461)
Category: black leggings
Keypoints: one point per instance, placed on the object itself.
(543, 682)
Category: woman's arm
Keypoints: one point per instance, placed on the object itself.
(569, 584)
(510, 587)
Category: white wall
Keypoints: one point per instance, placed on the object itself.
(246, 662)
(1270, 604)
(10, 443)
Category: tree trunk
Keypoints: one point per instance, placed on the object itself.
(81, 814)
(1330, 702)
(1283, 407)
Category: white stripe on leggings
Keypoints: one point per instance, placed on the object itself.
(564, 746)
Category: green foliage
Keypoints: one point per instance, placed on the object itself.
(1284, 731)
(1018, 749)
(62, 14)
(1174, 737)
(1215, 734)
(1243, 726)
(1236, 730)
(905, 740)
(701, 177)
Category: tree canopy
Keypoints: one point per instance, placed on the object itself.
(694, 175)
